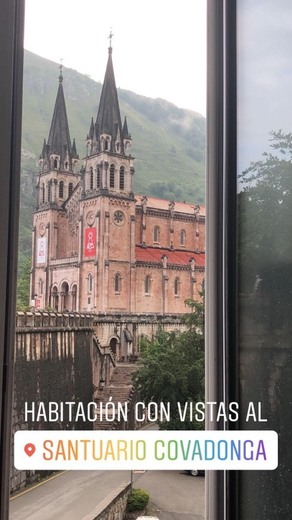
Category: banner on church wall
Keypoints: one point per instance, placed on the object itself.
(89, 242)
(41, 250)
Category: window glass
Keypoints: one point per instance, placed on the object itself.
(91, 178)
(61, 190)
(117, 283)
(147, 284)
(264, 235)
(156, 234)
(112, 176)
(98, 177)
(122, 178)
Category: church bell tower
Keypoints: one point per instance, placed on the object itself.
(108, 205)
(57, 179)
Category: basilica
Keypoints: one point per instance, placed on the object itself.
(98, 246)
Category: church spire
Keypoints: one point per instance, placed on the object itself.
(58, 152)
(108, 126)
(108, 134)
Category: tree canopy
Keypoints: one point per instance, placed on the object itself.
(265, 250)
(171, 368)
(265, 223)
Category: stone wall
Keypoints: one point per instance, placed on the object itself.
(113, 507)
(63, 357)
(118, 328)
(57, 358)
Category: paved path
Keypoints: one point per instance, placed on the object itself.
(176, 495)
(69, 496)
(73, 494)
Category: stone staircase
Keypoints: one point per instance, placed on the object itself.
(118, 391)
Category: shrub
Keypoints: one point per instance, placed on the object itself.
(137, 500)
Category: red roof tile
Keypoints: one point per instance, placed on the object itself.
(154, 254)
(180, 207)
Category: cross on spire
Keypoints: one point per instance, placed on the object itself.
(61, 70)
(110, 37)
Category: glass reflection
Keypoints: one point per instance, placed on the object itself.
(265, 245)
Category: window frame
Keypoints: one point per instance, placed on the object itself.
(221, 114)
(221, 277)
(11, 61)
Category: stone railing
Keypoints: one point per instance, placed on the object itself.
(45, 320)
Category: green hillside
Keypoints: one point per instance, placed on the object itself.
(168, 142)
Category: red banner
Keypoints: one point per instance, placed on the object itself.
(89, 242)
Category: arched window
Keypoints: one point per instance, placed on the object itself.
(43, 192)
(65, 296)
(147, 284)
(98, 177)
(117, 283)
(122, 178)
(112, 176)
(91, 178)
(156, 233)
(55, 163)
(70, 189)
(89, 283)
(107, 147)
(49, 191)
(182, 238)
(61, 190)
(74, 297)
(55, 298)
(176, 286)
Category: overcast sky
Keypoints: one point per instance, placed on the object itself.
(159, 46)
(264, 75)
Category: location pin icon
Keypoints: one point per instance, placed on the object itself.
(29, 449)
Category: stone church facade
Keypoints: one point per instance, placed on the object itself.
(97, 246)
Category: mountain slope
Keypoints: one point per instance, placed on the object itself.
(168, 142)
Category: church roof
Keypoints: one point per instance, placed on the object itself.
(108, 119)
(163, 204)
(175, 257)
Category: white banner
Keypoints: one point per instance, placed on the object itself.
(146, 450)
(41, 250)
